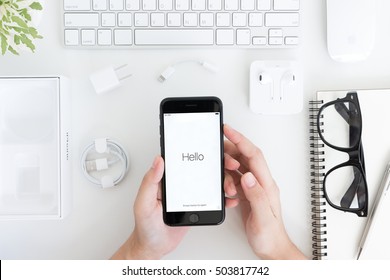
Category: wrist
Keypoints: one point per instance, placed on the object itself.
(274, 244)
(285, 249)
(133, 250)
(290, 252)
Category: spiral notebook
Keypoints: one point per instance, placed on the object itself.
(336, 234)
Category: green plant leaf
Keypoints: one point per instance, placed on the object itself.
(17, 39)
(6, 18)
(33, 32)
(26, 41)
(17, 29)
(12, 50)
(4, 31)
(25, 14)
(15, 4)
(19, 21)
(36, 6)
(4, 44)
(14, 26)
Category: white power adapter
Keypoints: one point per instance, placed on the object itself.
(107, 79)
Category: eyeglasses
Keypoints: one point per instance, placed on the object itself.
(339, 124)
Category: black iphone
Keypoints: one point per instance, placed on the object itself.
(191, 133)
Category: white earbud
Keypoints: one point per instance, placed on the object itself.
(265, 79)
(288, 78)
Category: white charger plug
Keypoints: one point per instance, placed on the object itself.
(107, 79)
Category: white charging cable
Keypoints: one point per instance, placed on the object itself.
(104, 146)
(171, 69)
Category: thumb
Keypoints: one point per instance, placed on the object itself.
(148, 192)
(256, 195)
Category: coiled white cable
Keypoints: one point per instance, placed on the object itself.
(104, 146)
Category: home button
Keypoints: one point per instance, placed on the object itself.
(194, 218)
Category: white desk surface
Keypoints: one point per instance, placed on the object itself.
(102, 219)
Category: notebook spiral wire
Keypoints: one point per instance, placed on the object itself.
(317, 175)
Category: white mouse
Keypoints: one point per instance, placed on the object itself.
(350, 29)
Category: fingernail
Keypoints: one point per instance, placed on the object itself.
(249, 180)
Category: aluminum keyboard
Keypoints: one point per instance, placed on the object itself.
(181, 23)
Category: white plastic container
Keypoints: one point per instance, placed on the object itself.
(35, 179)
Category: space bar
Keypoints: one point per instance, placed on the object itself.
(174, 37)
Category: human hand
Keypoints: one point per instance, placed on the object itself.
(259, 198)
(151, 238)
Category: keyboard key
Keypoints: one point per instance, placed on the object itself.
(291, 40)
(259, 41)
(116, 5)
(123, 37)
(264, 5)
(225, 36)
(231, 5)
(81, 20)
(77, 5)
(141, 20)
(286, 5)
(190, 19)
(239, 19)
(223, 19)
(255, 19)
(215, 5)
(282, 19)
(104, 37)
(198, 5)
(163, 37)
(88, 37)
(174, 19)
(182, 5)
(149, 5)
(275, 33)
(247, 5)
(108, 19)
(157, 20)
(165, 5)
(275, 40)
(132, 5)
(243, 36)
(99, 5)
(71, 37)
(206, 19)
(124, 19)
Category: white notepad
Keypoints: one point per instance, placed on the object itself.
(337, 234)
(379, 231)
